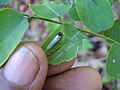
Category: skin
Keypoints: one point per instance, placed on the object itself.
(61, 77)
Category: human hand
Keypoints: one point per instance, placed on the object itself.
(27, 69)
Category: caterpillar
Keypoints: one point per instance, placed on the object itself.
(54, 41)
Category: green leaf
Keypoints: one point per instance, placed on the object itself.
(67, 47)
(72, 12)
(97, 15)
(49, 10)
(3, 2)
(113, 61)
(51, 27)
(86, 45)
(111, 2)
(12, 27)
(119, 1)
(41, 1)
(66, 2)
(114, 31)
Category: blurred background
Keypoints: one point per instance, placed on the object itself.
(94, 50)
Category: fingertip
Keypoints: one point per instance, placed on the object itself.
(90, 76)
(38, 52)
(26, 68)
(80, 78)
(57, 69)
(38, 82)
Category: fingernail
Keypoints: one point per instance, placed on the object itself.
(22, 67)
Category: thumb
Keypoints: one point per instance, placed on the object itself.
(26, 69)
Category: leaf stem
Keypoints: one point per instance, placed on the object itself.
(98, 35)
(60, 19)
(41, 18)
(115, 86)
(59, 22)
